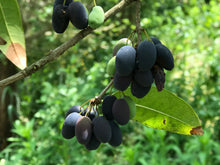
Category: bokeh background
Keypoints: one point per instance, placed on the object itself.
(34, 108)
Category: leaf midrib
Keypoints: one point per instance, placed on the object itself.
(157, 111)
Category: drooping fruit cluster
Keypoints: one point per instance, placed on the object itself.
(141, 66)
(76, 13)
(92, 129)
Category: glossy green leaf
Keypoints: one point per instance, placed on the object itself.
(11, 33)
(164, 110)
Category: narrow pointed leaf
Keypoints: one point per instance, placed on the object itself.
(164, 110)
(12, 42)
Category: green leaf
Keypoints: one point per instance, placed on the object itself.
(164, 110)
(11, 33)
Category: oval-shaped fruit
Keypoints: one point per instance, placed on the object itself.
(60, 18)
(122, 42)
(107, 104)
(111, 69)
(164, 57)
(146, 55)
(78, 15)
(83, 130)
(155, 40)
(75, 108)
(143, 78)
(138, 90)
(68, 129)
(102, 129)
(121, 112)
(96, 17)
(116, 138)
(132, 106)
(125, 60)
(93, 143)
(121, 83)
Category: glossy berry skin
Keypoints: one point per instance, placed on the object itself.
(121, 111)
(155, 40)
(102, 129)
(138, 90)
(75, 108)
(164, 57)
(116, 138)
(83, 130)
(68, 129)
(60, 18)
(146, 55)
(78, 15)
(121, 83)
(93, 143)
(125, 60)
(107, 104)
(143, 78)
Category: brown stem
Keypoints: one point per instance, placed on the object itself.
(98, 99)
(138, 21)
(57, 52)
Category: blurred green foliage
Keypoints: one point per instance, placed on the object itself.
(191, 29)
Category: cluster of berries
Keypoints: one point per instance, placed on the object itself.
(141, 66)
(91, 129)
(63, 12)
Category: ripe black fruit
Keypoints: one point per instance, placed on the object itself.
(155, 40)
(121, 112)
(116, 138)
(146, 55)
(143, 78)
(68, 129)
(122, 82)
(164, 57)
(93, 143)
(102, 129)
(78, 15)
(107, 104)
(83, 130)
(138, 90)
(75, 108)
(125, 60)
(60, 18)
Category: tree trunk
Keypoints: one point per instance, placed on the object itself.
(6, 69)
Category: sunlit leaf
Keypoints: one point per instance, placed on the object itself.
(164, 110)
(11, 33)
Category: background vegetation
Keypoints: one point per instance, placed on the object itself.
(190, 28)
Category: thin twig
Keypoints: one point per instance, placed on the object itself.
(138, 21)
(54, 54)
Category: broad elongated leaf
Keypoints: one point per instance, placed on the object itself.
(164, 110)
(11, 33)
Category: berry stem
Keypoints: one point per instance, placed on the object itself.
(94, 2)
(64, 2)
(98, 99)
(138, 21)
(148, 37)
